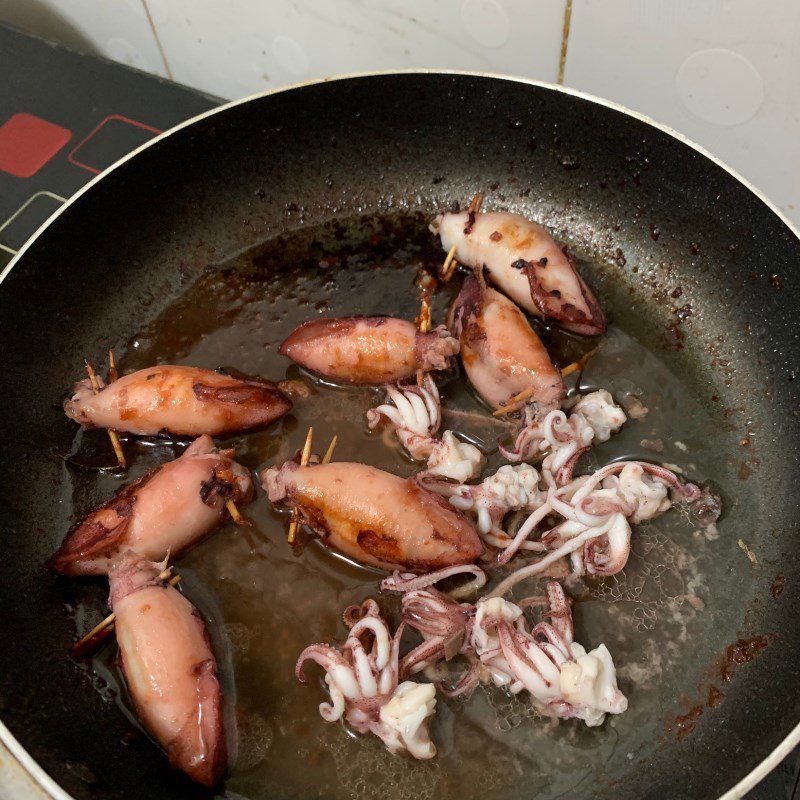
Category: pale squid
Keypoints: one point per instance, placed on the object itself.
(170, 671)
(374, 517)
(368, 350)
(161, 514)
(502, 355)
(523, 260)
(363, 684)
(178, 401)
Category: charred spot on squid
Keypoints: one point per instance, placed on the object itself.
(470, 223)
(217, 490)
(379, 545)
(97, 533)
(244, 392)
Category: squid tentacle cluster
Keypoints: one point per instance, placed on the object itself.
(562, 439)
(597, 511)
(562, 678)
(363, 684)
(443, 624)
(511, 488)
(416, 414)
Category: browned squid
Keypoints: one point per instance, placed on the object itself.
(162, 513)
(502, 355)
(524, 261)
(170, 671)
(375, 517)
(177, 400)
(368, 350)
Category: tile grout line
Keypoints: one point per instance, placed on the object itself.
(158, 40)
(562, 61)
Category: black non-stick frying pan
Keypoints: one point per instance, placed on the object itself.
(690, 260)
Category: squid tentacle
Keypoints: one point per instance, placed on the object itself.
(364, 685)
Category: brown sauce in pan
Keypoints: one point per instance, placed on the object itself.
(267, 603)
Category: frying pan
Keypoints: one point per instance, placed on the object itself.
(655, 213)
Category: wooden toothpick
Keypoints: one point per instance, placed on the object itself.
(426, 284)
(237, 515)
(112, 367)
(475, 204)
(294, 523)
(450, 263)
(579, 364)
(115, 442)
(515, 402)
(326, 459)
(90, 643)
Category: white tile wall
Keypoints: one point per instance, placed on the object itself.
(118, 29)
(235, 47)
(724, 72)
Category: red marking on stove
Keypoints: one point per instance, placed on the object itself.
(112, 139)
(28, 142)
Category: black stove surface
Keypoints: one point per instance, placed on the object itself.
(65, 117)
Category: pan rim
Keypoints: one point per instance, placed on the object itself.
(8, 743)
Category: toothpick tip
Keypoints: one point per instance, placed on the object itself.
(306, 454)
(329, 452)
(291, 536)
(237, 515)
(450, 264)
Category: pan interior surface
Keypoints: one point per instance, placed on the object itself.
(211, 245)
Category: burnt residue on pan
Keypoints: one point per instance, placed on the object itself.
(742, 651)
(196, 219)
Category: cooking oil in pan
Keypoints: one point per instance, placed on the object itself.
(268, 602)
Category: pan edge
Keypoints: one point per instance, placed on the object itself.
(20, 759)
